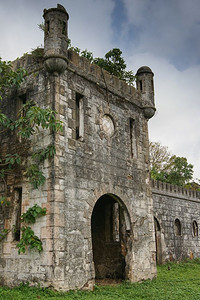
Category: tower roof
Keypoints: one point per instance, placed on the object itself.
(144, 69)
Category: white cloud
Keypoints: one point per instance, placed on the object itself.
(89, 25)
(176, 123)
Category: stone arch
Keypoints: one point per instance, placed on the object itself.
(111, 238)
(158, 241)
(177, 227)
(195, 230)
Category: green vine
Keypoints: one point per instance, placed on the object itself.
(28, 238)
(32, 213)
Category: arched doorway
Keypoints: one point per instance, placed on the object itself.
(110, 225)
(158, 241)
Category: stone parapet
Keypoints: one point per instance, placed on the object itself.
(171, 190)
(111, 83)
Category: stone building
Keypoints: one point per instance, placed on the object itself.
(99, 221)
(100, 211)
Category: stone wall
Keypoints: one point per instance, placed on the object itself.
(102, 152)
(177, 213)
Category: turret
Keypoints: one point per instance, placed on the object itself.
(144, 83)
(55, 39)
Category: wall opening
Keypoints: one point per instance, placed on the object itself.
(21, 101)
(79, 116)
(195, 228)
(133, 142)
(177, 227)
(158, 241)
(140, 85)
(47, 27)
(110, 225)
(17, 212)
(64, 28)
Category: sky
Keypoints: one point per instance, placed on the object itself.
(164, 35)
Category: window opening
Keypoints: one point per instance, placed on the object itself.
(152, 86)
(195, 228)
(22, 101)
(64, 31)
(177, 225)
(133, 138)
(47, 27)
(140, 85)
(79, 116)
(17, 211)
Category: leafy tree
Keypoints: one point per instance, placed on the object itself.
(113, 62)
(159, 156)
(169, 168)
(22, 161)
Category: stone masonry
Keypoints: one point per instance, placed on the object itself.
(176, 217)
(99, 221)
(105, 219)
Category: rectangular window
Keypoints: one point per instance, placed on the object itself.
(22, 99)
(133, 142)
(17, 212)
(140, 85)
(79, 116)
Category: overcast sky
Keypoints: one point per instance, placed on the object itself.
(162, 34)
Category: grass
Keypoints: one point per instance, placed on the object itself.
(179, 281)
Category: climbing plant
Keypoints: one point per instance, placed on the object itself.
(21, 160)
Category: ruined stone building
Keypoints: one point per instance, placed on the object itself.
(100, 211)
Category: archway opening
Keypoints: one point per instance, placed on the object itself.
(110, 225)
(158, 241)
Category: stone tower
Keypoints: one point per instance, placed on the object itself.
(55, 38)
(99, 221)
(145, 85)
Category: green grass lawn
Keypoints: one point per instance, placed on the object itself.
(182, 281)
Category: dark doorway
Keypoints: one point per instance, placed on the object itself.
(109, 238)
(158, 241)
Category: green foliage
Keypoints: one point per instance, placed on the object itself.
(31, 119)
(32, 213)
(195, 186)
(29, 239)
(3, 234)
(179, 173)
(169, 168)
(42, 154)
(4, 201)
(180, 282)
(35, 176)
(87, 54)
(8, 77)
(113, 62)
(34, 118)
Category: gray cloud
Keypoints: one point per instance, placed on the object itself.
(166, 28)
(161, 34)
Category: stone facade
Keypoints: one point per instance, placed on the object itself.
(99, 221)
(176, 217)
